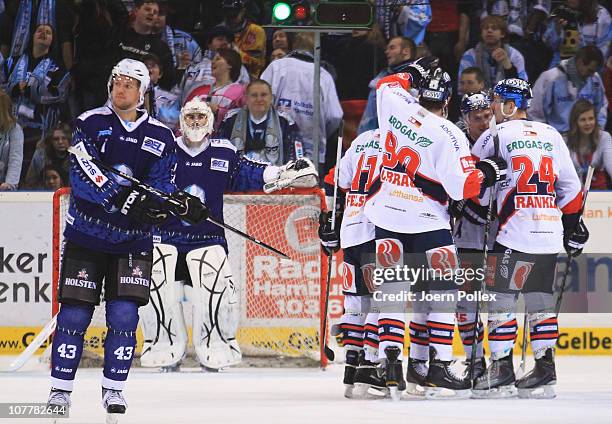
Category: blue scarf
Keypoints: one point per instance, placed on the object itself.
(21, 31)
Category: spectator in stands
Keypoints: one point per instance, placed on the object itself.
(471, 80)
(11, 145)
(281, 40)
(575, 24)
(589, 145)
(161, 104)
(54, 179)
(38, 87)
(96, 24)
(277, 54)
(200, 74)
(399, 52)
(185, 49)
(225, 93)
(496, 59)
(21, 19)
(291, 80)
(53, 152)
(258, 131)
(249, 38)
(557, 89)
(136, 40)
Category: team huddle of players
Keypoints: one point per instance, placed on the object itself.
(416, 194)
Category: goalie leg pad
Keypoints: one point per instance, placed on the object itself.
(163, 324)
(215, 308)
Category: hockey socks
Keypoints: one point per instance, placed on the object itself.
(120, 344)
(72, 323)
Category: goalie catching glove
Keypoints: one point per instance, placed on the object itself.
(300, 173)
(140, 207)
(191, 209)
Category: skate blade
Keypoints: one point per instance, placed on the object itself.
(349, 391)
(503, 392)
(394, 393)
(542, 392)
(442, 393)
(367, 391)
(414, 389)
(112, 418)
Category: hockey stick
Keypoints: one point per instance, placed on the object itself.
(329, 354)
(40, 338)
(487, 227)
(568, 261)
(82, 155)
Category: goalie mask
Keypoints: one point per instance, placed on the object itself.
(196, 120)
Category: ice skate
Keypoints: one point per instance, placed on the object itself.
(442, 382)
(59, 403)
(350, 368)
(369, 376)
(480, 367)
(394, 379)
(539, 382)
(415, 376)
(498, 380)
(114, 404)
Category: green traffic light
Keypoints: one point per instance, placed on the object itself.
(281, 11)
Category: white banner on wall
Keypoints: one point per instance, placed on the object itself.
(25, 258)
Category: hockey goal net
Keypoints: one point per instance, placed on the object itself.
(281, 301)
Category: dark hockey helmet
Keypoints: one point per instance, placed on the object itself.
(437, 88)
(475, 101)
(515, 89)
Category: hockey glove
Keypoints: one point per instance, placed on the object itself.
(473, 212)
(493, 169)
(575, 234)
(330, 239)
(191, 210)
(140, 207)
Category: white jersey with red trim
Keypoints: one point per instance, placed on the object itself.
(425, 159)
(355, 175)
(542, 184)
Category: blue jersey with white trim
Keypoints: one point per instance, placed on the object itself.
(207, 173)
(144, 149)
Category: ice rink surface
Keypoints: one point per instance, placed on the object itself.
(312, 396)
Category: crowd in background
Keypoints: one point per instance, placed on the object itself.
(56, 57)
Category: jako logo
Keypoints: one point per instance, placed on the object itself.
(388, 252)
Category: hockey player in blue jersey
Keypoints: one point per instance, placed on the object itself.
(108, 232)
(196, 254)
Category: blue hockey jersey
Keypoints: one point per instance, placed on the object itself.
(207, 173)
(144, 149)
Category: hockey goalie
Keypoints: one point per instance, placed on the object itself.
(190, 259)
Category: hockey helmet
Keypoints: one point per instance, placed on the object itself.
(196, 131)
(134, 69)
(475, 101)
(437, 88)
(515, 89)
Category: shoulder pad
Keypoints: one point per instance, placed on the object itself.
(222, 142)
(231, 113)
(103, 110)
(286, 116)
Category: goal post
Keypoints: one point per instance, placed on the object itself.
(280, 300)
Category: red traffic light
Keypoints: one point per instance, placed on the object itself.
(300, 12)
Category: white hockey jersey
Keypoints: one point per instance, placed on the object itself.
(542, 184)
(355, 176)
(425, 159)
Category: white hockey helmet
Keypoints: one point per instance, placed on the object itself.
(134, 69)
(196, 132)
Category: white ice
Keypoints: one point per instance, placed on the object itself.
(294, 396)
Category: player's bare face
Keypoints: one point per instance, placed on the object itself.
(259, 100)
(479, 122)
(586, 122)
(195, 120)
(125, 93)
